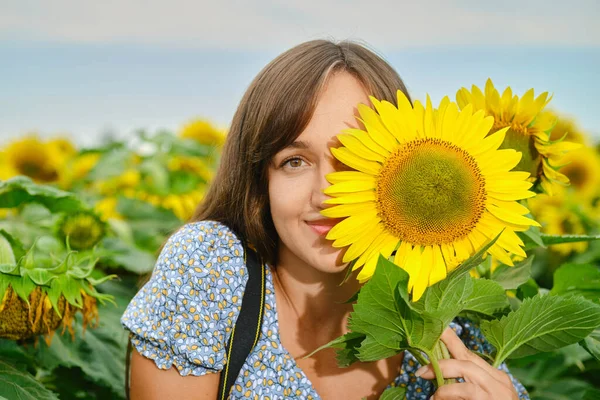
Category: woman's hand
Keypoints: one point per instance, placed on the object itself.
(482, 381)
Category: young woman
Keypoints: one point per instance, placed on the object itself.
(268, 192)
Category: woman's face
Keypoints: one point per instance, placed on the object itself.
(297, 178)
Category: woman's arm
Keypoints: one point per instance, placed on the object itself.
(151, 383)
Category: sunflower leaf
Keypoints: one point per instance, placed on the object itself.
(384, 315)
(20, 190)
(446, 299)
(394, 393)
(487, 298)
(17, 384)
(583, 279)
(542, 323)
(532, 237)
(513, 277)
(592, 343)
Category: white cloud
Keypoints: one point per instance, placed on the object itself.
(271, 24)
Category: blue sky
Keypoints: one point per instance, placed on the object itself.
(82, 68)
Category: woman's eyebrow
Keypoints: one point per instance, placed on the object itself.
(298, 144)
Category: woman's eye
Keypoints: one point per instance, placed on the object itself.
(294, 162)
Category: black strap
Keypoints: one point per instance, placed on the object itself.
(244, 338)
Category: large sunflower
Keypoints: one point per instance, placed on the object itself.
(430, 184)
(529, 127)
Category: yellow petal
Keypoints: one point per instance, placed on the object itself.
(356, 197)
(349, 187)
(356, 162)
(358, 148)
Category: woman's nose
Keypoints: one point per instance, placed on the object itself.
(320, 184)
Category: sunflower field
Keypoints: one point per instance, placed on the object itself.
(80, 230)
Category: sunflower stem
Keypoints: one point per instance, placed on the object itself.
(439, 378)
(441, 353)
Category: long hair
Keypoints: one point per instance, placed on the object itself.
(273, 112)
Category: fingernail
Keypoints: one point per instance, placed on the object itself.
(421, 371)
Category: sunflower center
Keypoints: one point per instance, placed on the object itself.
(430, 191)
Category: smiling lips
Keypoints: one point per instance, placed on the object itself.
(322, 226)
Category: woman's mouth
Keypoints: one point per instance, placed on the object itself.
(323, 226)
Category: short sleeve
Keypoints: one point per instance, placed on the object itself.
(474, 340)
(183, 316)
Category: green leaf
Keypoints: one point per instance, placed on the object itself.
(8, 261)
(393, 393)
(371, 350)
(111, 164)
(346, 348)
(39, 276)
(542, 323)
(158, 174)
(513, 277)
(16, 384)
(383, 313)
(532, 238)
(20, 190)
(446, 299)
(375, 312)
(487, 298)
(592, 343)
(528, 289)
(117, 252)
(582, 279)
(557, 239)
(135, 209)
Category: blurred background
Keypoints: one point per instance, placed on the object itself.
(86, 69)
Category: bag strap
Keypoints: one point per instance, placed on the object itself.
(242, 340)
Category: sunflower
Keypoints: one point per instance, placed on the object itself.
(560, 214)
(430, 185)
(203, 132)
(567, 128)
(33, 158)
(78, 168)
(582, 167)
(529, 128)
(83, 229)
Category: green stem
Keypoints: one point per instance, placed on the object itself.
(418, 355)
(439, 378)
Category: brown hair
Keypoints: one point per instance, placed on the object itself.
(274, 111)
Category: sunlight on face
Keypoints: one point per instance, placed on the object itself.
(297, 178)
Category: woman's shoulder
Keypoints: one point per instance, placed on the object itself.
(184, 314)
(204, 248)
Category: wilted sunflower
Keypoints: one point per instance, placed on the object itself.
(430, 184)
(529, 128)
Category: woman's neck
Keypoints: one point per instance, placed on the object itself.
(311, 301)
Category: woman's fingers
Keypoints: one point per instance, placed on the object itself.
(459, 351)
(460, 391)
(467, 370)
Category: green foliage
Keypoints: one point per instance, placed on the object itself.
(16, 384)
(20, 190)
(543, 323)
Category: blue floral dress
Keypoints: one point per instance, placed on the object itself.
(184, 315)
